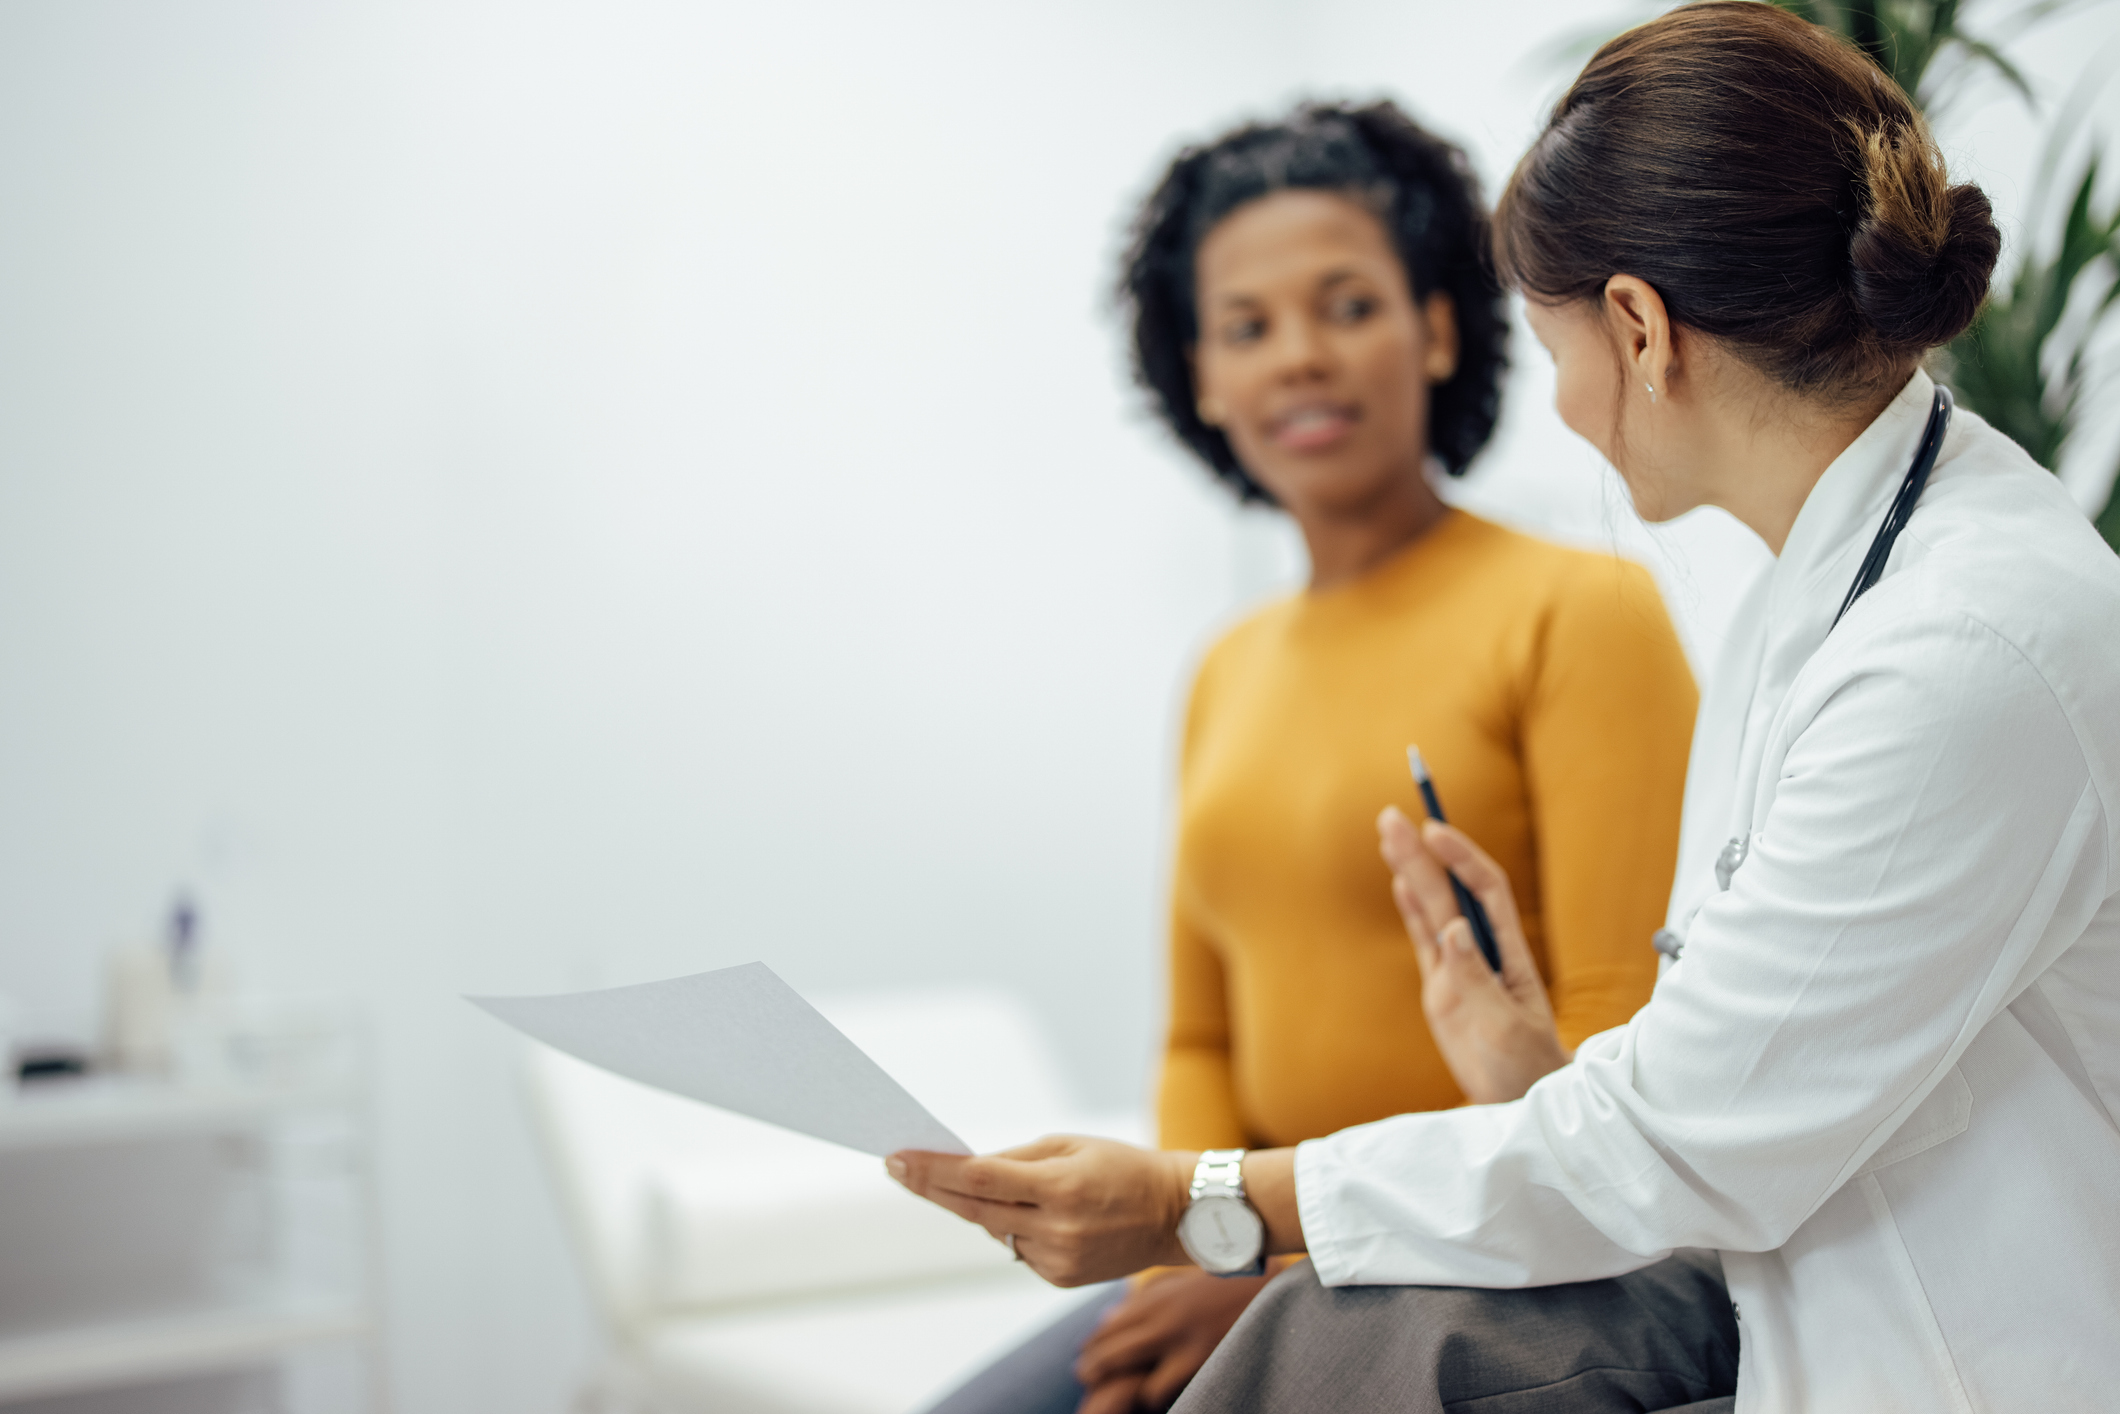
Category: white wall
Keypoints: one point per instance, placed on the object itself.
(516, 496)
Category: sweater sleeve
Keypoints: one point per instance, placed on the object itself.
(1607, 724)
(1196, 1104)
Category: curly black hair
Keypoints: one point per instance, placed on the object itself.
(1420, 186)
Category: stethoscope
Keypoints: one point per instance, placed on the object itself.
(1733, 854)
(1895, 520)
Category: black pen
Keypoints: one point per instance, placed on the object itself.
(1482, 930)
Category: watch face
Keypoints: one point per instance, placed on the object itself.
(1222, 1234)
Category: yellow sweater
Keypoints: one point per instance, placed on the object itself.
(1549, 695)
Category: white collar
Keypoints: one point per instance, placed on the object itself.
(1820, 559)
(1841, 515)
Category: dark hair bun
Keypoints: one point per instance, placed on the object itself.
(1923, 250)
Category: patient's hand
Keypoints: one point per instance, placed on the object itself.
(1149, 1346)
(1495, 1030)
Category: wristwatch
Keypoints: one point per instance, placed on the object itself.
(1221, 1231)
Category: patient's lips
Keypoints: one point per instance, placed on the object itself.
(1314, 425)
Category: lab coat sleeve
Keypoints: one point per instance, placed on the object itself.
(1930, 794)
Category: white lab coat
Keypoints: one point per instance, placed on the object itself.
(1883, 1078)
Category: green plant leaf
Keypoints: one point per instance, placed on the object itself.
(2108, 520)
(1997, 60)
(1906, 37)
(2009, 368)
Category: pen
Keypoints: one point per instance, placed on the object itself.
(1482, 930)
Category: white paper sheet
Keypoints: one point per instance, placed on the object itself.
(744, 1040)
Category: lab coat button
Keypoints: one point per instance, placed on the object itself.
(1732, 856)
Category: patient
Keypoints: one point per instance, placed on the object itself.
(1313, 318)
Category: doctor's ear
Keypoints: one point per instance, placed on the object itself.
(1641, 329)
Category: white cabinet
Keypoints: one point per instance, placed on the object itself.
(166, 1247)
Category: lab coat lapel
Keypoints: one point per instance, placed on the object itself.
(1711, 769)
(1809, 579)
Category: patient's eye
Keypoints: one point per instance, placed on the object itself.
(1243, 329)
(1351, 308)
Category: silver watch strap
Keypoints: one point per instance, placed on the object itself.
(1219, 1173)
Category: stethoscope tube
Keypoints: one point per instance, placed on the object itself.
(1902, 510)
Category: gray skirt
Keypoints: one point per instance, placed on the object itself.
(1661, 1338)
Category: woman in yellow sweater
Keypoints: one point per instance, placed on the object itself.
(1313, 316)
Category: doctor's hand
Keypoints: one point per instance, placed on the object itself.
(1495, 1030)
(1084, 1210)
(1081, 1210)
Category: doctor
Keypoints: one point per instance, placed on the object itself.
(1882, 1076)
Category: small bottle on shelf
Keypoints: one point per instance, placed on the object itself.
(159, 990)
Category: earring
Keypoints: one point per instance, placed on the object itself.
(1652, 391)
(1210, 411)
